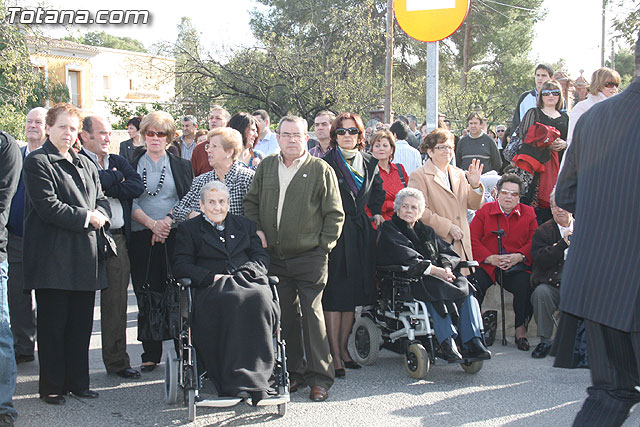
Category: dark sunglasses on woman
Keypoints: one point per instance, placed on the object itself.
(550, 92)
(344, 131)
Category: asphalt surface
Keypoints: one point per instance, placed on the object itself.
(511, 389)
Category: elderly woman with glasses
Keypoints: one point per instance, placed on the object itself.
(448, 191)
(404, 240)
(351, 263)
(539, 184)
(234, 312)
(516, 223)
(223, 149)
(166, 180)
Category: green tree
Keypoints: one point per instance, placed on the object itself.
(627, 24)
(102, 39)
(625, 65)
(22, 86)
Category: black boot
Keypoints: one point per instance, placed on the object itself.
(450, 352)
(477, 350)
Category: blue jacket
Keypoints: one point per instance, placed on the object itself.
(114, 186)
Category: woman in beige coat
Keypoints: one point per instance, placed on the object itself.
(448, 191)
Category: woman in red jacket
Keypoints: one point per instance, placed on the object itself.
(518, 221)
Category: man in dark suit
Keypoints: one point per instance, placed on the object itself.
(600, 183)
(121, 184)
(21, 305)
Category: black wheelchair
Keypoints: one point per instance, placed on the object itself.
(400, 323)
(183, 373)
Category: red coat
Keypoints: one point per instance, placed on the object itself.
(518, 227)
(391, 183)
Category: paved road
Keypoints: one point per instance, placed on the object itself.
(511, 389)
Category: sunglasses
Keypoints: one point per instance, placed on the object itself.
(610, 85)
(500, 130)
(151, 134)
(510, 193)
(350, 131)
(550, 92)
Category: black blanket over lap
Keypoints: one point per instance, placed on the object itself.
(236, 345)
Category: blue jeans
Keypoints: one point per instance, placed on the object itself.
(469, 321)
(8, 371)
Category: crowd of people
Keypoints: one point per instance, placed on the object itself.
(241, 200)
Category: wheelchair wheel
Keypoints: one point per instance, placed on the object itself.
(366, 338)
(192, 405)
(472, 367)
(416, 361)
(282, 409)
(171, 366)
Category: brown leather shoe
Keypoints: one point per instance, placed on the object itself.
(318, 393)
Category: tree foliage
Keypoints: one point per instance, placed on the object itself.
(22, 86)
(102, 39)
(627, 25)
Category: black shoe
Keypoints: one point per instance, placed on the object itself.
(350, 364)
(541, 350)
(24, 358)
(450, 352)
(522, 344)
(490, 324)
(340, 373)
(477, 349)
(54, 400)
(148, 368)
(86, 394)
(128, 373)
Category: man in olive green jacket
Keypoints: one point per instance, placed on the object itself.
(295, 201)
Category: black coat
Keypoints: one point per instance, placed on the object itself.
(180, 169)
(547, 254)
(60, 250)
(599, 183)
(200, 252)
(234, 318)
(399, 244)
(121, 182)
(10, 165)
(352, 261)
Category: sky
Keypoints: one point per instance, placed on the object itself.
(571, 29)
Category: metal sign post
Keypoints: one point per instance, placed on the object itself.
(433, 62)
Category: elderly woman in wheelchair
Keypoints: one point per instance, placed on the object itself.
(234, 314)
(406, 241)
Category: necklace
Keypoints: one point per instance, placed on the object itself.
(160, 182)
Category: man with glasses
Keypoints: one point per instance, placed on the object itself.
(500, 130)
(516, 223)
(218, 118)
(295, 201)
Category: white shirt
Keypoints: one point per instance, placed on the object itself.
(268, 145)
(407, 156)
(562, 231)
(285, 175)
(117, 211)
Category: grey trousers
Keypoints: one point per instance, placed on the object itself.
(113, 309)
(302, 281)
(22, 306)
(545, 299)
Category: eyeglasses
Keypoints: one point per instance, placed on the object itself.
(443, 147)
(500, 131)
(288, 135)
(610, 85)
(510, 193)
(547, 92)
(151, 134)
(350, 131)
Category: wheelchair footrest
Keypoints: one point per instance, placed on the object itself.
(220, 402)
(270, 401)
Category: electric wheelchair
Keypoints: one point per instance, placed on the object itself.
(400, 323)
(183, 373)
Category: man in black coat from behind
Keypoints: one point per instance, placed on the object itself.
(600, 184)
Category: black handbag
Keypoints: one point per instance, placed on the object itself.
(107, 247)
(159, 311)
